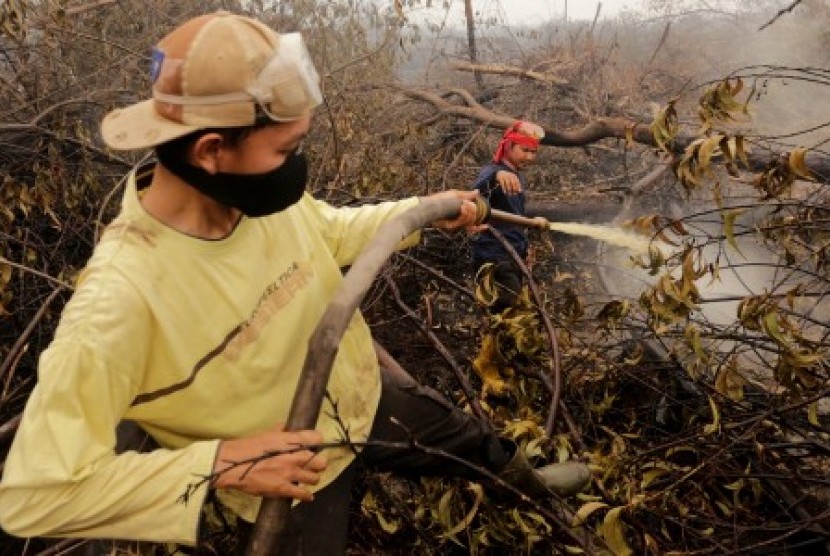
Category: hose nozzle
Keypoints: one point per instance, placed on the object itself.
(482, 210)
(485, 213)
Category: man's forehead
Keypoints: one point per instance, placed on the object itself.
(286, 131)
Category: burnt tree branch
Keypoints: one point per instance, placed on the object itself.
(593, 131)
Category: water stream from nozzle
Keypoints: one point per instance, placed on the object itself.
(607, 234)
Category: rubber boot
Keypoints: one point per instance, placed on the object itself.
(565, 479)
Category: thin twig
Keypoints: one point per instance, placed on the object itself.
(30, 270)
(412, 444)
(19, 344)
(438, 274)
(779, 14)
(555, 386)
(469, 392)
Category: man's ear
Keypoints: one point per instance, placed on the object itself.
(204, 152)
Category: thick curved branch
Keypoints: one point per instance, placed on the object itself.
(600, 128)
(466, 95)
(447, 108)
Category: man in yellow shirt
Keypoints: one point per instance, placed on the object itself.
(193, 314)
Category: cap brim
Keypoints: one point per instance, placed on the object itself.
(140, 127)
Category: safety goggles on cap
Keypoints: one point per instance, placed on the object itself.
(286, 88)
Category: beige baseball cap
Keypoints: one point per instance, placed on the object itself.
(215, 71)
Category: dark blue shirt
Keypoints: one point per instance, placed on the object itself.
(486, 247)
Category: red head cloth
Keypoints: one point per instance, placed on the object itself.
(512, 136)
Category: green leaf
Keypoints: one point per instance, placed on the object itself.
(707, 151)
(729, 381)
(652, 475)
(586, 510)
(612, 531)
(714, 426)
(467, 519)
(812, 414)
(729, 217)
(798, 164)
(773, 328)
(724, 508)
(370, 507)
(740, 148)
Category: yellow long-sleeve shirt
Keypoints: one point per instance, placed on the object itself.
(196, 341)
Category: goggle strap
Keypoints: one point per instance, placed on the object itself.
(204, 100)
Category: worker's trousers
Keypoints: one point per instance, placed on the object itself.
(407, 412)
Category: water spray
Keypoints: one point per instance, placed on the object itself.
(607, 234)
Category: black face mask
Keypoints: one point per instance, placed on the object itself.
(253, 194)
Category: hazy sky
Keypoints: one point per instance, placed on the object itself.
(517, 12)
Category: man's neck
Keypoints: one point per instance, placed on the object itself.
(509, 164)
(181, 207)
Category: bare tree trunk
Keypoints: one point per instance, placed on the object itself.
(471, 40)
(596, 17)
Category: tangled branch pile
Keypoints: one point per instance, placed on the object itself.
(702, 413)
